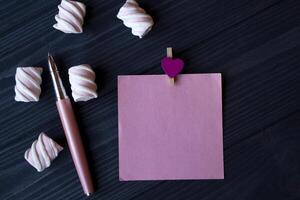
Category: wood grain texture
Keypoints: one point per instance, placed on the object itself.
(254, 44)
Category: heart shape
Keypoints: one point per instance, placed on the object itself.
(172, 67)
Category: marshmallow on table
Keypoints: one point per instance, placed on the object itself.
(42, 152)
(28, 81)
(136, 18)
(82, 79)
(70, 16)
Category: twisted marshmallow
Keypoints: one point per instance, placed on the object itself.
(136, 18)
(70, 16)
(42, 152)
(82, 79)
(28, 81)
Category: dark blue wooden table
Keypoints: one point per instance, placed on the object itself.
(254, 44)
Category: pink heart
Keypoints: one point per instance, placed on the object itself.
(172, 67)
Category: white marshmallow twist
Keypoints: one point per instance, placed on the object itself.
(70, 16)
(136, 18)
(82, 79)
(28, 81)
(42, 152)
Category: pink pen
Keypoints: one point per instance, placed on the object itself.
(71, 130)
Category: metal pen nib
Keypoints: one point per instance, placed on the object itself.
(58, 86)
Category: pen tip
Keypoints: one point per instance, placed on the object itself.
(51, 63)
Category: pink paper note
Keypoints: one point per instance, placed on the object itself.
(169, 132)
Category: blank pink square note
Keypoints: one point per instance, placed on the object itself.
(170, 132)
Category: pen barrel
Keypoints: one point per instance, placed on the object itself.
(75, 144)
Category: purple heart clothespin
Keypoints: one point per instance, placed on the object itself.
(172, 67)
